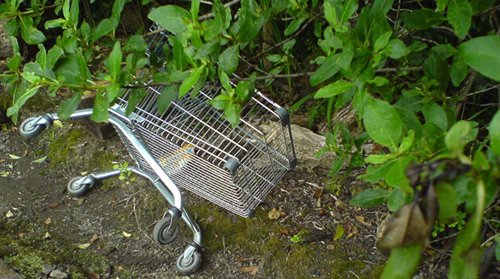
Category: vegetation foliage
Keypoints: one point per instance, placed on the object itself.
(421, 76)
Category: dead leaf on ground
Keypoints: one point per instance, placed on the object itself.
(361, 219)
(94, 275)
(87, 245)
(83, 246)
(39, 160)
(4, 173)
(250, 269)
(274, 214)
(47, 236)
(9, 214)
(353, 230)
(339, 232)
(406, 226)
(47, 221)
(14, 157)
(53, 205)
(126, 234)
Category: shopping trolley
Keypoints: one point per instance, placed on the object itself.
(191, 146)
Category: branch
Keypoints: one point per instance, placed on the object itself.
(271, 76)
(388, 70)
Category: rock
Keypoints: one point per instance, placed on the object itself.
(307, 144)
(48, 268)
(57, 274)
(7, 273)
(5, 45)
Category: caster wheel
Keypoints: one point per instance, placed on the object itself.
(163, 233)
(188, 266)
(78, 186)
(29, 129)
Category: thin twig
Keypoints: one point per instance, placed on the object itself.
(483, 90)
(388, 70)
(271, 76)
(445, 237)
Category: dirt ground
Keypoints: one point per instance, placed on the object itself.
(45, 233)
(43, 228)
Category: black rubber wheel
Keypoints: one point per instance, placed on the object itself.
(186, 267)
(77, 189)
(164, 234)
(28, 129)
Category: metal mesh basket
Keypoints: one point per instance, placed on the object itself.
(201, 152)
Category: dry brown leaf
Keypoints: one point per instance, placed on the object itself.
(94, 239)
(361, 219)
(21, 235)
(53, 205)
(274, 214)
(318, 193)
(47, 235)
(94, 275)
(406, 226)
(250, 269)
(47, 221)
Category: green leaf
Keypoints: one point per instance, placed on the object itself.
(459, 16)
(382, 41)
(54, 23)
(436, 115)
(333, 89)
(136, 43)
(480, 162)
(53, 56)
(458, 71)
(101, 105)
(250, 21)
(135, 96)
(112, 91)
(407, 142)
(482, 55)
(229, 58)
(422, 19)
(396, 176)
(458, 136)
(345, 58)
(168, 94)
(69, 70)
(69, 106)
(382, 123)
(20, 100)
(195, 10)
(441, 5)
(396, 49)
(328, 68)
(403, 262)
(494, 133)
(172, 18)
(191, 80)
(466, 254)
(396, 200)
(113, 63)
(104, 27)
(370, 198)
(294, 25)
(339, 232)
(447, 201)
(232, 112)
(379, 158)
(29, 33)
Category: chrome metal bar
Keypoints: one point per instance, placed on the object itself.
(118, 124)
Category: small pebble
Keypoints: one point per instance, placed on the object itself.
(57, 274)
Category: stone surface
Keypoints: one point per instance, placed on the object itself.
(57, 274)
(307, 144)
(5, 45)
(7, 273)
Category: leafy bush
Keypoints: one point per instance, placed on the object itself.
(422, 78)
